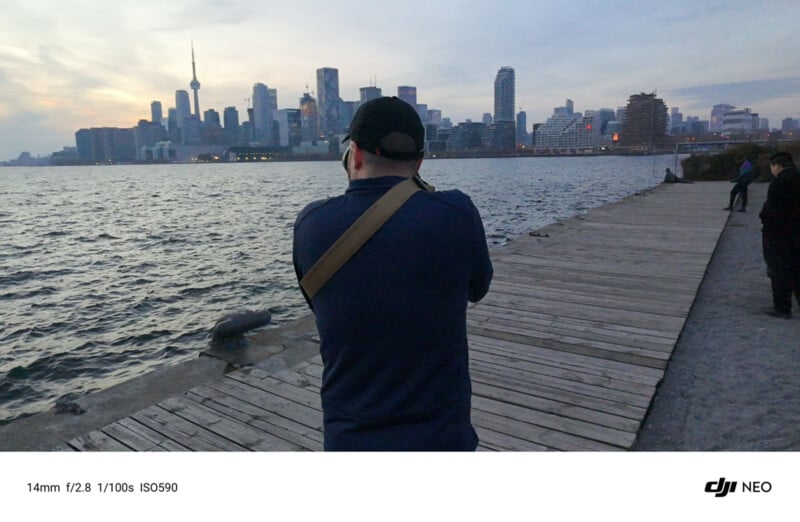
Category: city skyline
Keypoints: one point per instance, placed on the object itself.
(95, 65)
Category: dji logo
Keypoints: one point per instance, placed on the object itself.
(722, 487)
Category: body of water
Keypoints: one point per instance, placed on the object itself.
(109, 272)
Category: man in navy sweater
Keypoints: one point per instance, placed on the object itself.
(392, 320)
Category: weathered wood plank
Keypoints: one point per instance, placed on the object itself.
(595, 397)
(226, 426)
(262, 398)
(553, 422)
(183, 432)
(303, 436)
(545, 437)
(569, 361)
(97, 441)
(504, 442)
(139, 437)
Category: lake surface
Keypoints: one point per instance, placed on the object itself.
(109, 272)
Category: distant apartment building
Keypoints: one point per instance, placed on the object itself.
(676, 121)
(183, 107)
(566, 131)
(369, 93)
(646, 121)
(230, 119)
(788, 124)
(435, 116)
(467, 136)
(328, 101)
(422, 112)
(290, 133)
(504, 95)
(308, 117)
(718, 114)
(408, 94)
(147, 134)
(346, 111)
(156, 113)
(522, 129)
(739, 122)
(262, 114)
(106, 145)
(502, 136)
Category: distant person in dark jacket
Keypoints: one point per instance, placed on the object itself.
(780, 218)
(744, 179)
(392, 321)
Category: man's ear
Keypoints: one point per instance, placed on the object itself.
(358, 156)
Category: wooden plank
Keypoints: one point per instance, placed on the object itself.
(574, 379)
(263, 398)
(139, 437)
(580, 324)
(560, 409)
(552, 395)
(503, 442)
(97, 441)
(626, 355)
(183, 432)
(569, 361)
(226, 426)
(572, 427)
(542, 436)
(571, 330)
(547, 339)
(265, 381)
(652, 303)
(303, 436)
(564, 390)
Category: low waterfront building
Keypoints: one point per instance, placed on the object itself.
(568, 131)
(739, 122)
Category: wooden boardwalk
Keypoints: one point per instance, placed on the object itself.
(566, 349)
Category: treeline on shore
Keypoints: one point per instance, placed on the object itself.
(724, 166)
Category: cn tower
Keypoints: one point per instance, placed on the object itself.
(195, 85)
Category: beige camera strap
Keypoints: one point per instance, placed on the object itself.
(359, 232)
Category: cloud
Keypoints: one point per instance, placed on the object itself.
(773, 94)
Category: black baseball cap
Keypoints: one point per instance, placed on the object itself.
(385, 117)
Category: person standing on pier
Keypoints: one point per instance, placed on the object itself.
(780, 218)
(392, 319)
(742, 181)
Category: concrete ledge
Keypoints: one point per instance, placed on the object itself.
(271, 350)
(46, 430)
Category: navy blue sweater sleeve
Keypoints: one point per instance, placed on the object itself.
(482, 271)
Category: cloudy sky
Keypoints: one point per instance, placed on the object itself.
(68, 64)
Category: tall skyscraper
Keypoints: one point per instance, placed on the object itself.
(182, 106)
(504, 86)
(328, 101)
(230, 118)
(262, 113)
(156, 115)
(308, 117)
(408, 94)
(522, 128)
(273, 99)
(369, 93)
(195, 85)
